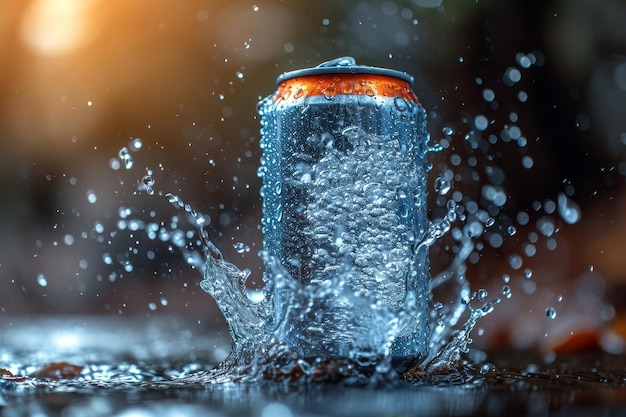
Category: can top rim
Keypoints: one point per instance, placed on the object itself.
(344, 65)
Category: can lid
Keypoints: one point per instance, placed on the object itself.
(343, 65)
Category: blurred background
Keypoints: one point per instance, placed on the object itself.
(81, 79)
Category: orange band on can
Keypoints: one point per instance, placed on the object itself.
(330, 85)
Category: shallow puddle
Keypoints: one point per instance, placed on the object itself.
(79, 366)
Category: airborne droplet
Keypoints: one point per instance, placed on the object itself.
(135, 144)
(442, 185)
(92, 197)
(125, 157)
(506, 291)
(481, 122)
(241, 247)
(448, 131)
(148, 180)
(568, 209)
(41, 280)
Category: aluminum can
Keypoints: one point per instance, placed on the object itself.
(344, 185)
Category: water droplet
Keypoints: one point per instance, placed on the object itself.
(114, 164)
(512, 75)
(442, 185)
(241, 247)
(279, 215)
(568, 209)
(148, 180)
(522, 96)
(448, 131)
(523, 60)
(529, 250)
(400, 104)
(488, 95)
(482, 294)
(527, 162)
(551, 244)
(496, 240)
(68, 240)
(480, 122)
(551, 313)
(404, 211)
(506, 291)
(41, 280)
(549, 207)
(511, 230)
(127, 160)
(435, 148)
(239, 75)
(329, 93)
(515, 261)
(91, 196)
(487, 367)
(451, 215)
(135, 144)
(490, 222)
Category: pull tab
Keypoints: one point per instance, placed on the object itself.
(344, 61)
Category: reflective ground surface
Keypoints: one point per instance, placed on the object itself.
(86, 366)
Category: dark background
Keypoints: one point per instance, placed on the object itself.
(80, 79)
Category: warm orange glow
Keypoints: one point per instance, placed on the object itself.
(91, 70)
(57, 27)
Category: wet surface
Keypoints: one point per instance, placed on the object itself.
(79, 366)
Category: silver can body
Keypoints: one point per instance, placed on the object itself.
(344, 187)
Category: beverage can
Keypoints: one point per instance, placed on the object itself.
(344, 185)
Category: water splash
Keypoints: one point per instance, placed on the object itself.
(349, 332)
(328, 329)
(317, 331)
(325, 329)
